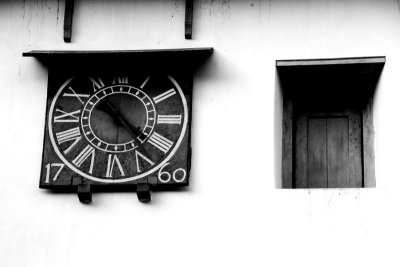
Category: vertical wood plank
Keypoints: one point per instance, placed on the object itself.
(300, 152)
(69, 11)
(368, 145)
(287, 143)
(316, 154)
(188, 19)
(338, 152)
(355, 150)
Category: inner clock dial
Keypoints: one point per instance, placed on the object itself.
(118, 118)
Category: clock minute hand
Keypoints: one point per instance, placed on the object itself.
(110, 109)
(132, 130)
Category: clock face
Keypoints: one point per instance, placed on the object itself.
(118, 128)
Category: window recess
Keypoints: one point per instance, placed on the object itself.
(327, 127)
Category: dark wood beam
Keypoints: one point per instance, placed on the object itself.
(188, 19)
(143, 192)
(84, 190)
(69, 12)
(84, 193)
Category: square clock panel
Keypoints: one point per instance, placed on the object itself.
(116, 120)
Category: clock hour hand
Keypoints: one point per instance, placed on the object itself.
(133, 131)
(119, 119)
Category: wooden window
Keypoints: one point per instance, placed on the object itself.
(327, 122)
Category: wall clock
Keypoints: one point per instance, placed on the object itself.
(118, 127)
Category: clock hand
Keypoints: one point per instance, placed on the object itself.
(133, 131)
(110, 109)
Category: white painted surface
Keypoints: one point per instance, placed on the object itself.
(232, 214)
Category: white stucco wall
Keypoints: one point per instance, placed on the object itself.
(232, 214)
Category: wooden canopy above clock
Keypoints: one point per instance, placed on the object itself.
(154, 58)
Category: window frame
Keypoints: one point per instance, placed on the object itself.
(368, 155)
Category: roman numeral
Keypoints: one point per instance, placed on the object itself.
(67, 136)
(160, 142)
(145, 82)
(112, 159)
(169, 119)
(67, 116)
(97, 83)
(138, 154)
(164, 95)
(120, 79)
(83, 156)
(74, 94)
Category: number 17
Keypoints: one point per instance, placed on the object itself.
(48, 167)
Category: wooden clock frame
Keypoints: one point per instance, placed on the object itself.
(178, 63)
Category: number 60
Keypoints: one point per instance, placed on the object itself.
(162, 173)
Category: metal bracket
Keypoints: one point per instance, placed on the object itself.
(143, 192)
(188, 19)
(69, 12)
